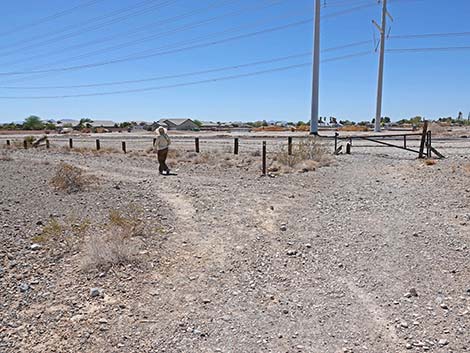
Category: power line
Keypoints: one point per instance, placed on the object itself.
(194, 73)
(144, 56)
(165, 34)
(430, 35)
(127, 33)
(344, 12)
(165, 77)
(406, 50)
(50, 17)
(124, 16)
(184, 84)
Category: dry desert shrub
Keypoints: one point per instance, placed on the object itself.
(116, 245)
(70, 179)
(65, 233)
(130, 219)
(307, 155)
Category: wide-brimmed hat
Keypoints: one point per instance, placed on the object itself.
(157, 131)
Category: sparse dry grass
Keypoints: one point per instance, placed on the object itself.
(116, 245)
(65, 233)
(89, 150)
(307, 155)
(355, 128)
(71, 179)
(130, 219)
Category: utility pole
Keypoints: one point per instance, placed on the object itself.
(316, 71)
(382, 29)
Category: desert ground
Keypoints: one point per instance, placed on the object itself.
(367, 252)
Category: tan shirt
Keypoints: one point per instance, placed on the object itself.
(163, 141)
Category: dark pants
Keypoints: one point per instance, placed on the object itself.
(162, 154)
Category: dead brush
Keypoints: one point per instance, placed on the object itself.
(306, 155)
(70, 179)
(117, 244)
(130, 219)
(114, 247)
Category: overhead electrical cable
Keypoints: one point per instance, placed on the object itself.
(435, 49)
(144, 56)
(184, 84)
(80, 31)
(430, 35)
(128, 33)
(165, 77)
(49, 18)
(165, 34)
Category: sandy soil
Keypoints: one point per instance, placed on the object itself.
(369, 254)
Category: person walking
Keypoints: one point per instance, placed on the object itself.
(162, 144)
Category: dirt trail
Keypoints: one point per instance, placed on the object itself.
(317, 262)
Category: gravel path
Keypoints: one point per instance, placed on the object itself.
(370, 254)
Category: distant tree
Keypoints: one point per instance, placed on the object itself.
(125, 124)
(50, 125)
(347, 122)
(416, 120)
(84, 123)
(386, 120)
(198, 122)
(460, 117)
(33, 123)
(300, 123)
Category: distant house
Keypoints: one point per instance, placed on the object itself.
(106, 124)
(209, 125)
(178, 124)
(66, 123)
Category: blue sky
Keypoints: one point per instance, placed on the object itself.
(431, 84)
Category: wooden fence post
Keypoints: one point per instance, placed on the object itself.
(428, 144)
(8, 142)
(25, 144)
(404, 141)
(348, 148)
(423, 139)
(196, 143)
(154, 142)
(235, 145)
(264, 157)
(124, 146)
(98, 145)
(47, 144)
(70, 143)
(289, 145)
(336, 141)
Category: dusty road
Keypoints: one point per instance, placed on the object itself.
(370, 254)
